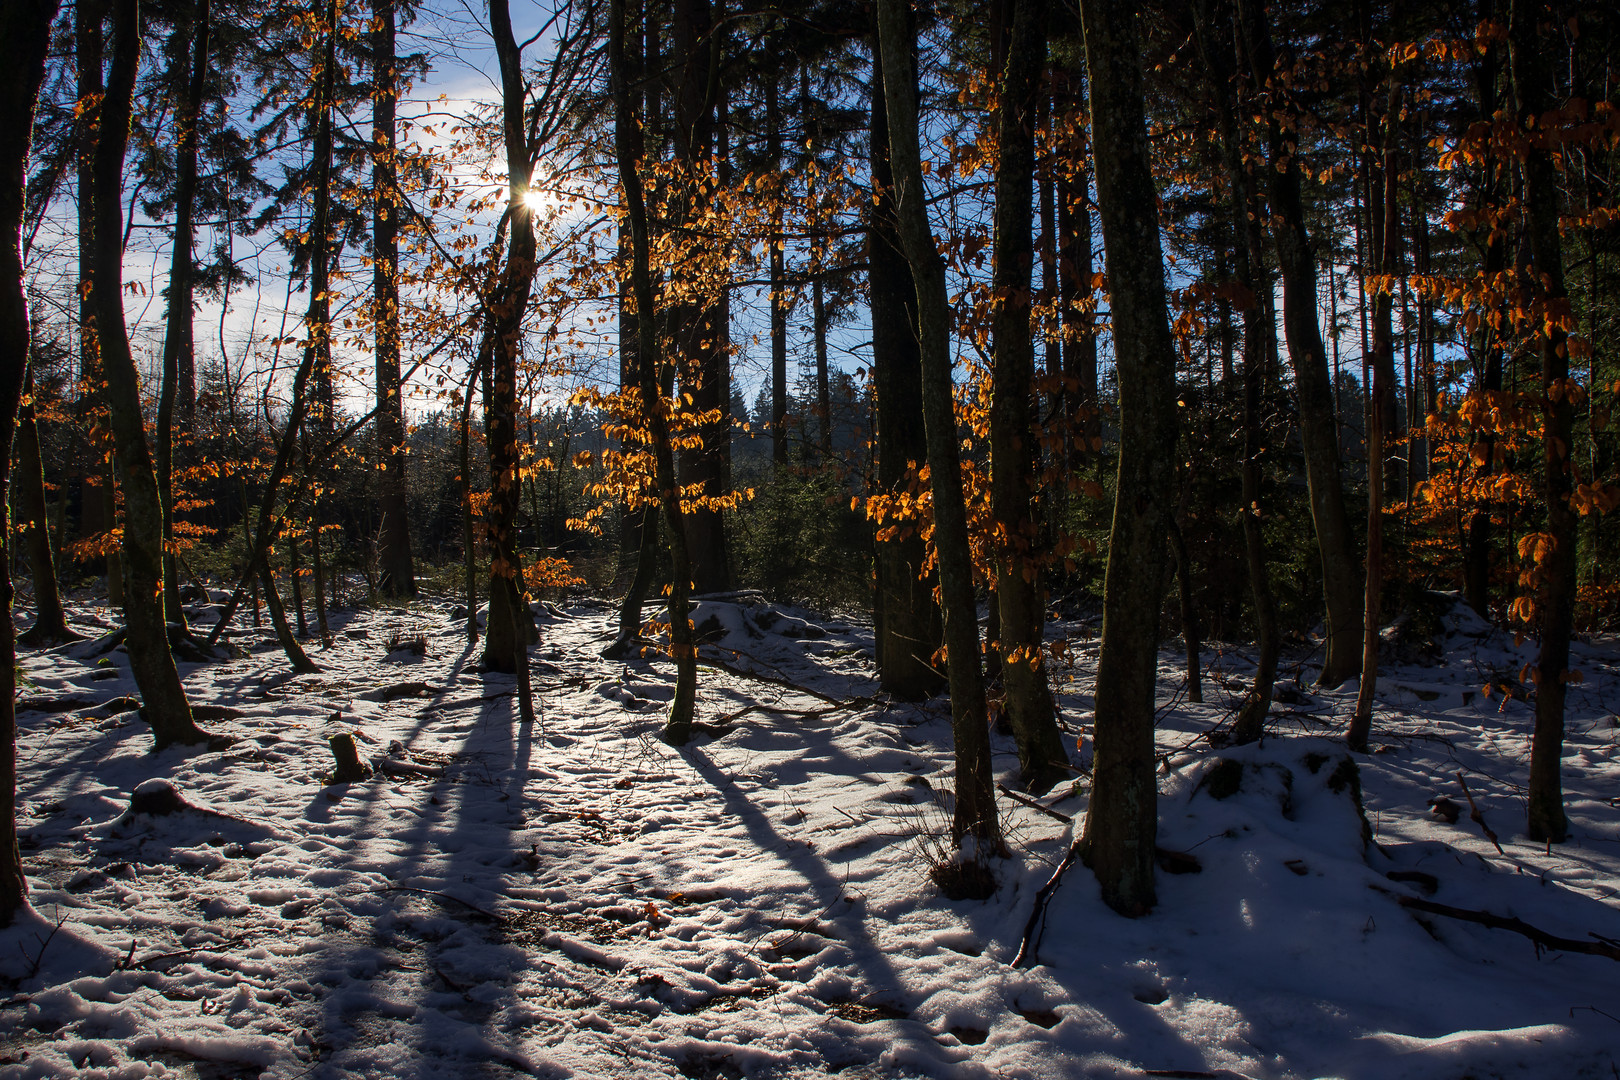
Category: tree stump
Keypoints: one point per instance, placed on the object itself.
(347, 757)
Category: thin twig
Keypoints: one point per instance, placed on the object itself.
(1478, 818)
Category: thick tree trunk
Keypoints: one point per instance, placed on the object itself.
(1312, 380)
(1122, 820)
(25, 28)
(975, 823)
(396, 572)
(1555, 594)
(1014, 449)
(163, 698)
(678, 726)
(50, 620)
(191, 39)
(906, 617)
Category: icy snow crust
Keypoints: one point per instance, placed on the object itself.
(576, 898)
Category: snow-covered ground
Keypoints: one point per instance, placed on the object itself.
(576, 898)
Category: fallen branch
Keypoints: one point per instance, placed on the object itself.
(474, 908)
(405, 769)
(1542, 938)
(395, 691)
(1024, 800)
(797, 714)
(742, 673)
(1478, 818)
(1037, 917)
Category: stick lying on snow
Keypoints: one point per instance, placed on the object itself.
(1542, 939)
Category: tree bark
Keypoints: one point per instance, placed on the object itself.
(1122, 820)
(1381, 407)
(1014, 448)
(698, 322)
(975, 824)
(779, 298)
(25, 28)
(396, 572)
(1555, 594)
(678, 725)
(178, 351)
(1312, 380)
(906, 617)
(163, 698)
(98, 495)
(50, 620)
(506, 634)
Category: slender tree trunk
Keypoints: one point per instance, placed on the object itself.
(1477, 545)
(50, 620)
(178, 351)
(1076, 259)
(397, 574)
(1189, 614)
(779, 298)
(507, 633)
(469, 539)
(1014, 448)
(1555, 594)
(25, 28)
(906, 617)
(678, 726)
(1380, 413)
(1122, 820)
(1301, 327)
(163, 698)
(699, 322)
(1218, 47)
(99, 499)
(975, 825)
(301, 663)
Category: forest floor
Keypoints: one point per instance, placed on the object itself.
(576, 898)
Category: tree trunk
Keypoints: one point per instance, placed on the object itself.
(1218, 47)
(1312, 381)
(191, 39)
(25, 28)
(163, 698)
(1189, 614)
(506, 634)
(50, 620)
(906, 618)
(678, 726)
(1122, 820)
(300, 661)
(779, 299)
(975, 824)
(699, 322)
(99, 499)
(397, 574)
(1555, 593)
(469, 539)
(1386, 239)
(1014, 447)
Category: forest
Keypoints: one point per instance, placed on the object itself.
(642, 537)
